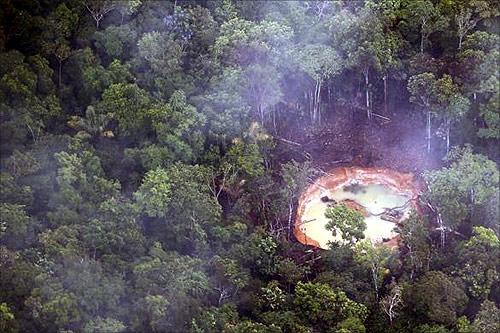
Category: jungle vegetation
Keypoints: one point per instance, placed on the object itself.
(153, 152)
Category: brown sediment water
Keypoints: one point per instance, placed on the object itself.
(369, 190)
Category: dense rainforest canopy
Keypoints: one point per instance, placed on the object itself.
(153, 152)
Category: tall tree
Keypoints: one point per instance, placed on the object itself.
(459, 189)
(451, 104)
(320, 62)
(426, 18)
(98, 9)
(437, 297)
(422, 89)
(61, 25)
(375, 259)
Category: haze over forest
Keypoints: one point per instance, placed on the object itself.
(153, 155)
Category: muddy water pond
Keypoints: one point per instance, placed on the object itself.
(376, 193)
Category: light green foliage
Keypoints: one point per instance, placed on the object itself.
(94, 77)
(192, 209)
(104, 325)
(458, 189)
(155, 308)
(81, 181)
(161, 52)
(451, 103)
(244, 159)
(61, 24)
(127, 7)
(463, 325)
(288, 321)
(151, 157)
(266, 39)
(437, 297)
(375, 258)
(181, 198)
(116, 41)
(296, 176)
(14, 223)
(487, 319)
(178, 127)
(251, 327)
(421, 88)
(126, 103)
(169, 274)
(483, 237)
(479, 262)
(227, 111)
(440, 96)
(214, 319)
(424, 17)
(491, 115)
(272, 295)
(319, 304)
(61, 242)
(168, 283)
(154, 194)
(477, 63)
(229, 277)
(7, 319)
(351, 325)
(92, 124)
(21, 164)
(415, 237)
(371, 47)
(480, 76)
(118, 229)
(76, 291)
(258, 253)
(12, 192)
(261, 84)
(426, 328)
(319, 61)
(349, 222)
(27, 95)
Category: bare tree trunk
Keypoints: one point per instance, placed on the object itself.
(447, 136)
(422, 37)
(290, 212)
(32, 132)
(318, 96)
(422, 43)
(428, 132)
(315, 103)
(385, 94)
(59, 73)
(367, 93)
(274, 120)
(311, 105)
(374, 277)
